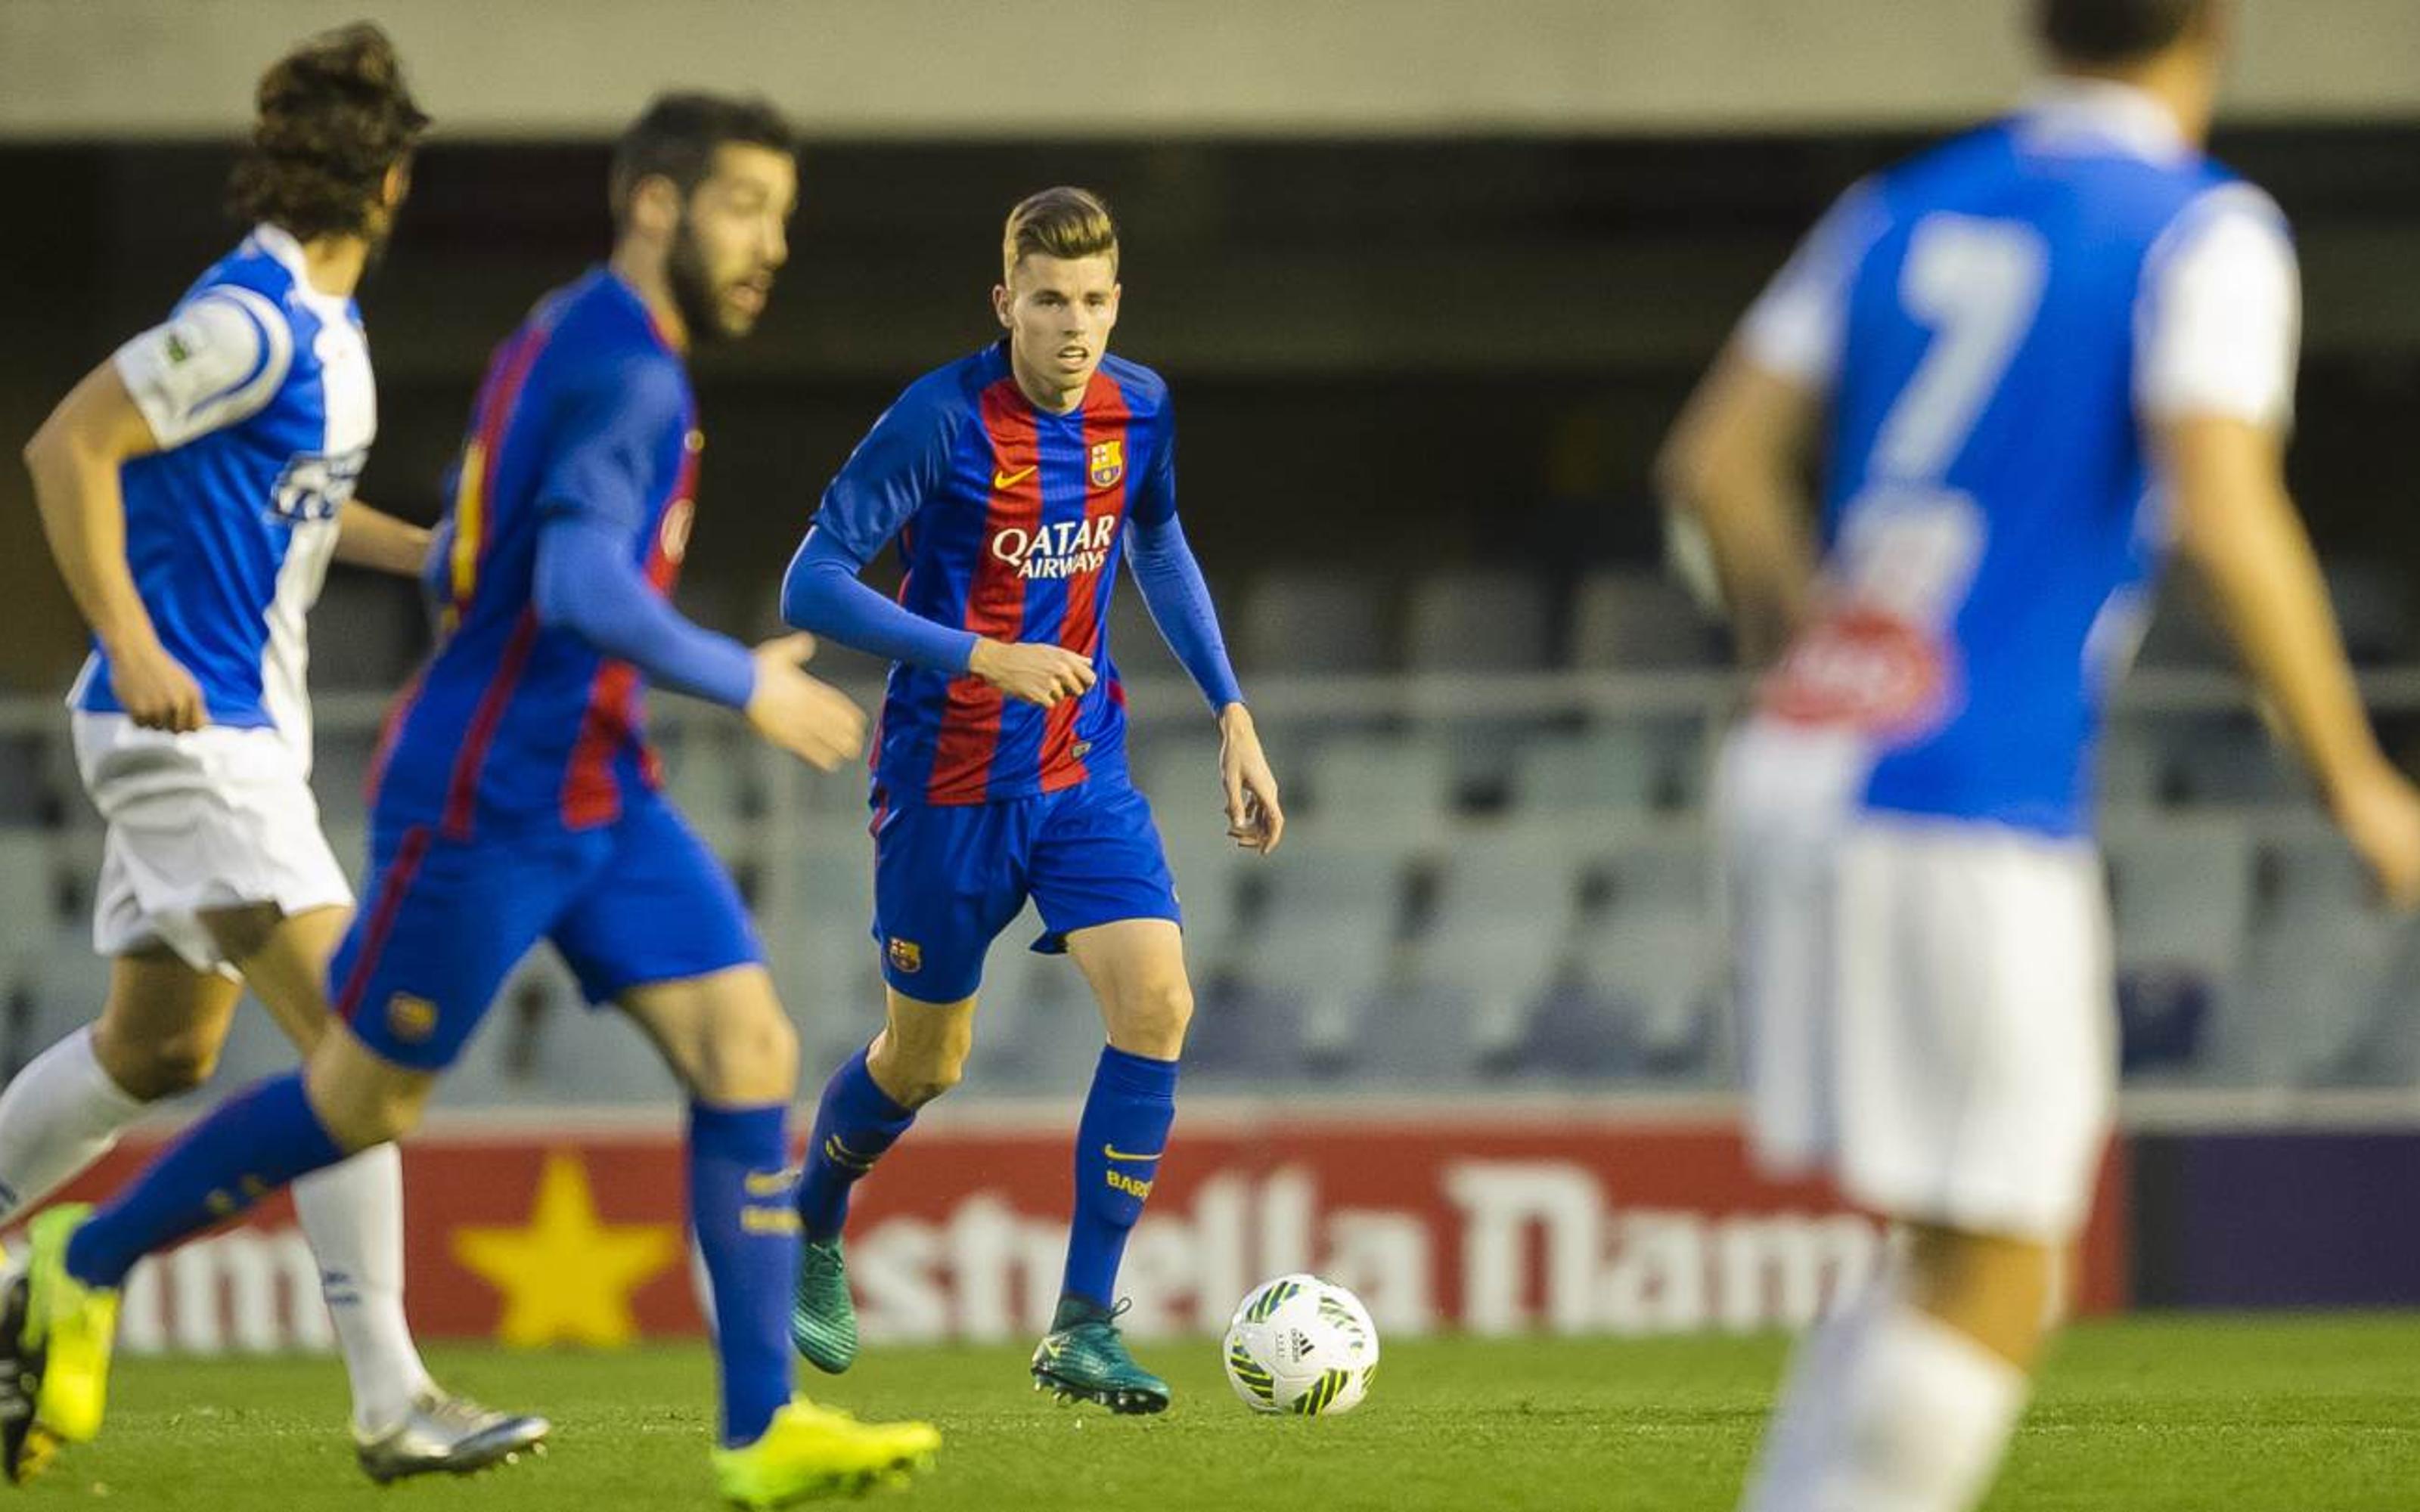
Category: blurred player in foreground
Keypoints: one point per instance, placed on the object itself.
(1015, 481)
(193, 487)
(518, 800)
(2033, 359)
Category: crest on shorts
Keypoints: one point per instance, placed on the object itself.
(411, 1019)
(1108, 463)
(906, 956)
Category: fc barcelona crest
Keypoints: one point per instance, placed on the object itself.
(906, 956)
(1108, 463)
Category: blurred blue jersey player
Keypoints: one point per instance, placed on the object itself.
(194, 488)
(515, 801)
(2032, 361)
(1014, 482)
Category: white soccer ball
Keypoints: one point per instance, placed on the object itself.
(1303, 1346)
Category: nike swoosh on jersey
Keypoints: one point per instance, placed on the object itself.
(1115, 1154)
(1010, 480)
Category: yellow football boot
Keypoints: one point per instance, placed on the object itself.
(810, 1451)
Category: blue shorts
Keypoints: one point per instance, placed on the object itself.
(949, 877)
(629, 904)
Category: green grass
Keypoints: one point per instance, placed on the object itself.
(2145, 1414)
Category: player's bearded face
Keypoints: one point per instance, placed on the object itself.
(1060, 312)
(731, 237)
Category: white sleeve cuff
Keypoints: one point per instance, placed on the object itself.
(218, 360)
(2220, 318)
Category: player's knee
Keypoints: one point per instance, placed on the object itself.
(914, 1069)
(1151, 1019)
(749, 1057)
(165, 1066)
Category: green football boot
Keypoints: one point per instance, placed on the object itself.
(823, 1318)
(1084, 1359)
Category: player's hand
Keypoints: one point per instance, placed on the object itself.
(2379, 813)
(154, 689)
(1255, 820)
(1032, 673)
(804, 715)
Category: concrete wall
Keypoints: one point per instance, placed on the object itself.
(1036, 68)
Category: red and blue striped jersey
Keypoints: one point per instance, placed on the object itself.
(1010, 521)
(587, 410)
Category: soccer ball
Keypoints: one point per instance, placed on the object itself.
(1303, 1346)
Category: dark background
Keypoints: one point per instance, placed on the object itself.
(1399, 355)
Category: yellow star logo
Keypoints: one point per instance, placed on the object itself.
(567, 1275)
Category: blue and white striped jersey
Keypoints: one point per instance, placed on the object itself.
(257, 390)
(1995, 323)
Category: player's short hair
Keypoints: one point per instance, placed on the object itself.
(1065, 222)
(674, 138)
(2114, 31)
(334, 115)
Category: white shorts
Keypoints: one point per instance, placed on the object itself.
(218, 818)
(1928, 1005)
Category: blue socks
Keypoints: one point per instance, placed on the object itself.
(1118, 1145)
(855, 1124)
(248, 1147)
(739, 1208)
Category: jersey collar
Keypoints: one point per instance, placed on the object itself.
(280, 244)
(2066, 111)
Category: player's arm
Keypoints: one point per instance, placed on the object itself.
(1737, 457)
(2216, 389)
(587, 580)
(367, 538)
(898, 465)
(216, 362)
(1173, 588)
(1736, 460)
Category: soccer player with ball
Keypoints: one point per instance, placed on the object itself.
(1015, 481)
(2033, 360)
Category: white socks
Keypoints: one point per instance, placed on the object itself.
(1887, 1410)
(60, 1115)
(352, 1212)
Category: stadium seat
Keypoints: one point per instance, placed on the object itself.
(1209, 872)
(1404, 783)
(1479, 620)
(2322, 956)
(1305, 620)
(1326, 938)
(2228, 758)
(822, 950)
(1038, 1030)
(2180, 895)
(2130, 770)
(1635, 620)
(1499, 933)
(28, 796)
(29, 904)
(705, 772)
(1651, 947)
(1631, 766)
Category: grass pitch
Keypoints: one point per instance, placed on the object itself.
(2146, 1414)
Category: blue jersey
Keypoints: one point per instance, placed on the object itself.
(257, 391)
(1987, 314)
(1010, 526)
(585, 411)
